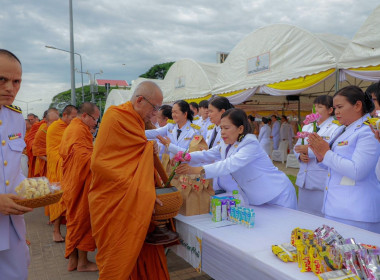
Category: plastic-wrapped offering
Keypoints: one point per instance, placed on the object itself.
(35, 188)
(285, 252)
(338, 274)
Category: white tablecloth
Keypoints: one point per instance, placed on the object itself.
(235, 252)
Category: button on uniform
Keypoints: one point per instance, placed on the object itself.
(326, 188)
(1, 122)
(5, 163)
(3, 142)
(7, 182)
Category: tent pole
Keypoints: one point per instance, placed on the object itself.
(337, 80)
(299, 110)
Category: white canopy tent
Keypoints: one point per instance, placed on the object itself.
(188, 79)
(361, 58)
(280, 59)
(117, 97)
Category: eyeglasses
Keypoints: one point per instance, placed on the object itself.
(95, 120)
(155, 107)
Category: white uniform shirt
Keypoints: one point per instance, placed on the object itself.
(352, 190)
(12, 133)
(264, 138)
(170, 130)
(311, 175)
(210, 132)
(204, 124)
(286, 133)
(259, 180)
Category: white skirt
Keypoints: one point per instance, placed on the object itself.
(374, 227)
(310, 201)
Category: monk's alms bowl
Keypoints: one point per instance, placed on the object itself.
(172, 201)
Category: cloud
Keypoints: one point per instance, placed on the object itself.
(142, 33)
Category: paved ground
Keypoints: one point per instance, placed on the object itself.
(47, 257)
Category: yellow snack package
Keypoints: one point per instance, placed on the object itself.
(285, 252)
(338, 275)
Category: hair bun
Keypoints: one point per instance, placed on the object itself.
(369, 105)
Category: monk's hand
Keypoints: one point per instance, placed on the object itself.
(9, 207)
(318, 146)
(164, 140)
(156, 149)
(159, 202)
(301, 149)
(376, 132)
(304, 158)
(184, 168)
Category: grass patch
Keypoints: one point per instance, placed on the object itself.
(293, 180)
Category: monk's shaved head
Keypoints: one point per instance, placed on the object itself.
(51, 117)
(88, 108)
(147, 89)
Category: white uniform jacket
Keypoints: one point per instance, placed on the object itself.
(249, 165)
(210, 131)
(311, 175)
(12, 133)
(170, 130)
(276, 134)
(264, 138)
(204, 124)
(352, 189)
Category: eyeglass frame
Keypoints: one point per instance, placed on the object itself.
(156, 108)
(96, 120)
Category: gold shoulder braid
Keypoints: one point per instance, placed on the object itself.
(14, 108)
(336, 122)
(197, 127)
(211, 126)
(170, 121)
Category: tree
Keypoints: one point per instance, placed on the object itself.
(157, 71)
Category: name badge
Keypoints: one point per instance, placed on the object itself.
(326, 137)
(14, 136)
(187, 138)
(170, 130)
(343, 143)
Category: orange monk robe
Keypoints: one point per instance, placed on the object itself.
(122, 197)
(54, 163)
(29, 138)
(39, 150)
(76, 150)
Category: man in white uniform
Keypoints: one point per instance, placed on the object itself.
(14, 253)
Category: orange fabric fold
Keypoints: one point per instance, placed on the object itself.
(29, 138)
(76, 150)
(39, 149)
(122, 195)
(54, 163)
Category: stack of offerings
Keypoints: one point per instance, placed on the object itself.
(228, 208)
(326, 253)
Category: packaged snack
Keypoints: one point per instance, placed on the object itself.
(338, 274)
(217, 210)
(224, 209)
(35, 188)
(285, 252)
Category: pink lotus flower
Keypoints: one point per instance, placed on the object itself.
(312, 118)
(181, 156)
(303, 134)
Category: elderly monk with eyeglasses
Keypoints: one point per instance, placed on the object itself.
(122, 194)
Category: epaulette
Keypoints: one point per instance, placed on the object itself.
(197, 127)
(170, 121)
(336, 122)
(371, 121)
(14, 108)
(196, 118)
(211, 126)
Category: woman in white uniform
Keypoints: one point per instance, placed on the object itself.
(176, 137)
(264, 136)
(164, 116)
(241, 155)
(352, 192)
(374, 91)
(311, 176)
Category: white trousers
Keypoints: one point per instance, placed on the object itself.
(374, 227)
(310, 201)
(14, 262)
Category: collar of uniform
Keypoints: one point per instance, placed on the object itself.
(327, 122)
(185, 127)
(358, 123)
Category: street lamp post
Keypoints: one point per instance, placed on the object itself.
(92, 83)
(27, 103)
(81, 69)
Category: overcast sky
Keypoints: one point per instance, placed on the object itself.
(125, 38)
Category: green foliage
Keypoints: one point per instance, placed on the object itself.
(157, 71)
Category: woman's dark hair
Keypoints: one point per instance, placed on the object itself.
(251, 118)
(203, 104)
(375, 89)
(195, 105)
(284, 117)
(220, 102)
(325, 100)
(166, 111)
(185, 108)
(238, 117)
(355, 94)
(265, 120)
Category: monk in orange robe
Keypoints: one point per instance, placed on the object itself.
(76, 150)
(29, 138)
(122, 193)
(54, 164)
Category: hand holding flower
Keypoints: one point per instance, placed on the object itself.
(178, 158)
(304, 158)
(302, 149)
(318, 146)
(186, 169)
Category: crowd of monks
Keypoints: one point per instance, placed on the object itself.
(104, 204)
